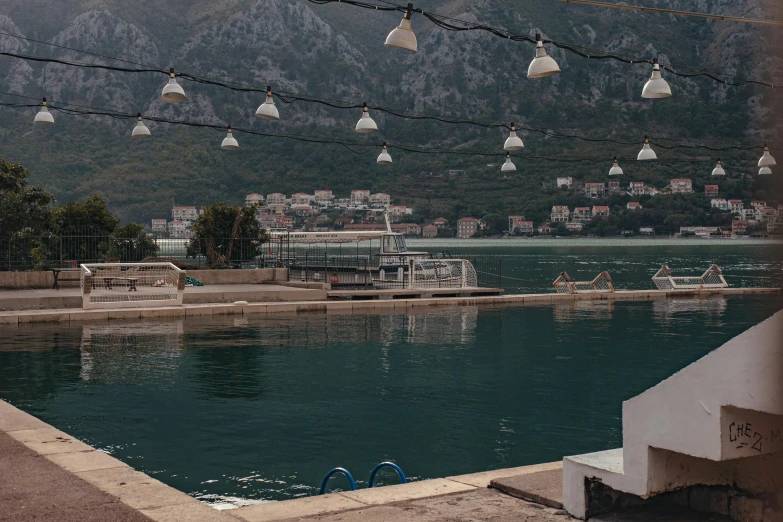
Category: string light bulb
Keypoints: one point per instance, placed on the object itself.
(403, 36)
(44, 116)
(718, 170)
(140, 130)
(267, 110)
(615, 170)
(384, 157)
(513, 142)
(765, 170)
(542, 65)
(366, 124)
(508, 166)
(656, 86)
(646, 153)
(172, 91)
(229, 142)
(766, 159)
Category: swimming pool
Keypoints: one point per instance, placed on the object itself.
(255, 408)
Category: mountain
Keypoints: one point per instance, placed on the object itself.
(336, 52)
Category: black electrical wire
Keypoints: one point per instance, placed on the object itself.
(448, 23)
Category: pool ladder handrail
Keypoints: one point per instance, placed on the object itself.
(371, 482)
(332, 472)
(392, 465)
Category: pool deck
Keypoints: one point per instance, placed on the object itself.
(19, 317)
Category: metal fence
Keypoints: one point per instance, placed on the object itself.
(347, 266)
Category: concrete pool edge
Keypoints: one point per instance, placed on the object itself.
(15, 318)
(163, 503)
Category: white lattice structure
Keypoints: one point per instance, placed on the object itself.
(712, 278)
(442, 273)
(601, 284)
(131, 285)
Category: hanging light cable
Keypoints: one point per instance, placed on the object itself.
(718, 170)
(508, 166)
(172, 91)
(656, 86)
(44, 116)
(542, 65)
(766, 159)
(268, 110)
(513, 142)
(229, 142)
(140, 130)
(646, 153)
(366, 124)
(615, 170)
(403, 36)
(384, 157)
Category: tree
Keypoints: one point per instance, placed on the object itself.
(92, 217)
(226, 234)
(131, 244)
(23, 211)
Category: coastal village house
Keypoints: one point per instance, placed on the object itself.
(560, 214)
(158, 226)
(544, 230)
(739, 227)
(441, 223)
(637, 188)
(523, 227)
(360, 197)
(681, 186)
(581, 214)
(300, 198)
(324, 197)
(513, 222)
(595, 190)
(711, 190)
(429, 231)
(719, 203)
(275, 198)
(633, 205)
(381, 198)
(614, 186)
(177, 229)
(186, 214)
(601, 210)
(736, 206)
(254, 198)
(409, 229)
(574, 226)
(467, 227)
(565, 182)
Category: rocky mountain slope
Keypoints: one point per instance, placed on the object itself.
(336, 52)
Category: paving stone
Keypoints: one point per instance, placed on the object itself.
(542, 487)
(194, 511)
(46, 441)
(85, 461)
(133, 488)
(14, 419)
(483, 478)
(410, 491)
(296, 508)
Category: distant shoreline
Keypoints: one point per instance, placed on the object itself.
(515, 242)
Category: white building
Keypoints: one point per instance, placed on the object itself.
(275, 198)
(560, 214)
(574, 226)
(719, 203)
(565, 182)
(736, 206)
(158, 225)
(633, 205)
(360, 197)
(177, 229)
(254, 199)
(187, 214)
(681, 186)
(380, 198)
(595, 190)
(601, 210)
(300, 198)
(581, 214)
(324, 196)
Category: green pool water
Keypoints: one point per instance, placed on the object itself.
(235, 410)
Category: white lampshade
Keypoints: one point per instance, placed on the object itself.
(542, 65)
(402, 36)
(267, 110)
(229, 142)
(656, 86)
(766, 159)
(765, 170)
(513, 142)
(508, 166)
(172, 91)
(140, 130)
(646, 153)
(366, 125)
(615, 170)
(44, 116)
(384, 156)
(718, 170)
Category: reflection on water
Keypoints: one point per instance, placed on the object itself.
(241, 410)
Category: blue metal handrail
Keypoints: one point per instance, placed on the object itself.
(338, 470)
(392, 465)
